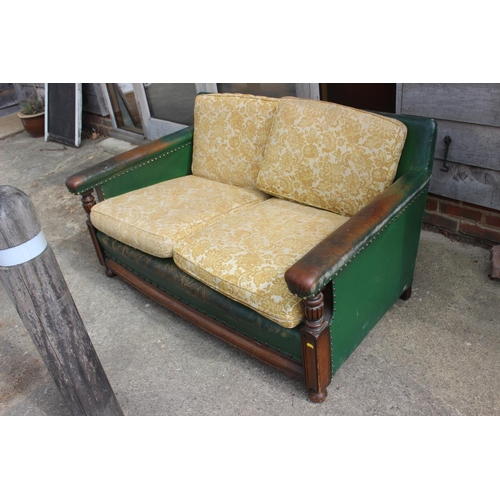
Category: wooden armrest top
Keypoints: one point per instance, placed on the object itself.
(87, 179)
(311, 273)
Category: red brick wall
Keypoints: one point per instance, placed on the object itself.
(101, 124)
(463, 220)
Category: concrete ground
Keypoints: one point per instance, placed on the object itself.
(9, 125)
(436, 354)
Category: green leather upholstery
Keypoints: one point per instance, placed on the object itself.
(369, 261)
(164, 274)
(166, 158)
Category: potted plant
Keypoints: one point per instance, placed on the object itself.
(32, 115)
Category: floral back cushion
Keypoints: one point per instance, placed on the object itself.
(330, 156)
(230, 135)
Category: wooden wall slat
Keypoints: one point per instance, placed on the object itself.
(475, 145)
(93, 99)
(470, 114)
(464, 102)
(464, 183)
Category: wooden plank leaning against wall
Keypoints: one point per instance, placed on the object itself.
(469, 113)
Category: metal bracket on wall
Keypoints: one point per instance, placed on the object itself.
(447, 141)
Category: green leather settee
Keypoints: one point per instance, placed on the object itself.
(285, 227)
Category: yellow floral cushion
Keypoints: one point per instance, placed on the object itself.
(154, 218)
(330, 156)
(230, 134)
(245, 256)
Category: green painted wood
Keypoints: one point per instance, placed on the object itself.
(160, 160)
(369, 284)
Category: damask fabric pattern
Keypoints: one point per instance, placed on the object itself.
(230, 135)
(330, 156)
(155, 218)
(245, 256)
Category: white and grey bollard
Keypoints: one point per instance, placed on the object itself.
(34, 282)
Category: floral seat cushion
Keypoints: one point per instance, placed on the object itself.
(155, 218)
(245, 256)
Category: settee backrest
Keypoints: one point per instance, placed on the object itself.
(418, 151)
(330, 156)
(230, 135)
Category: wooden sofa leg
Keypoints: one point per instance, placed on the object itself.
(406, 294)
(110, 273)
(88, 201)
(316, 349)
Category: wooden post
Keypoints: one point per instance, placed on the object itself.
(316, 348)
(34, 282)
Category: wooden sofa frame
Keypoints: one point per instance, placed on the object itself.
(347, 282)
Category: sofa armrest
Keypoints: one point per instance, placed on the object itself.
(311, 273)
(163, 159)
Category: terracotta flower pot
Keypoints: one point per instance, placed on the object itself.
(34, 124)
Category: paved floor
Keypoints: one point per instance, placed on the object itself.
(436, 354)
(10, 125)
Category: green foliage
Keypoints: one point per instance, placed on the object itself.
(33, 105)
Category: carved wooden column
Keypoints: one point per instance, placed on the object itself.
(316, 348)
(88, 201)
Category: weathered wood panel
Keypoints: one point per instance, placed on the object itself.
(476, 185)
(464, 102)
(26, 90)
(470, 114)
(36, 286)
(93, 99)
(8, 96)
(475, 145)
(9, 102)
